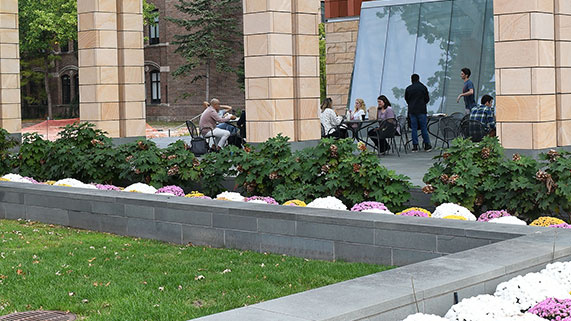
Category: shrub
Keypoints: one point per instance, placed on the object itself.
(460, 172)
(140, 162)
(33, 156)
(6, 159)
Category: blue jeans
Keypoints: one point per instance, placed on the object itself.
(233, 130)
(421, 120)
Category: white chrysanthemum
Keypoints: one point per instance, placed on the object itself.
(424, 317)
(480, 308)
(521, 317)
(258, 202)
(141, 188)
(508, 220)
(72, 182)
(16, 178)
(378, 211)
(328, 202)
(561, 272)
(526, 291)
(231, 196)
(448, 209)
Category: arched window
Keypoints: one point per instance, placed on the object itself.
(65, 89)
(155, 87)
(154, 31)
(76, 87)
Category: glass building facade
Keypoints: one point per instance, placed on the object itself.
(434, 39)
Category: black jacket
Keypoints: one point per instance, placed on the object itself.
(416, 96)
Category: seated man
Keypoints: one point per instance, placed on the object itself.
(208, 121)
(485, 113)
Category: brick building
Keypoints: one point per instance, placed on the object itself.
(167, 97)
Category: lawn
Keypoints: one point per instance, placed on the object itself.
(106, 277)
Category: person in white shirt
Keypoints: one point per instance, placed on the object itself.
(360, 110)
(331, 121)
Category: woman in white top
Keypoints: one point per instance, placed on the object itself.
(359, 111)
(331, 121)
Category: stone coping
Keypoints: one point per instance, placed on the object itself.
(443, 256)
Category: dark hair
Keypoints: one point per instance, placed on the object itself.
(385, 100)
(327, 103)
(486, 99)
(467, 72)
(415, 78)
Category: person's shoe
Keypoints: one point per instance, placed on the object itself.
(414, 148)
(427, 147)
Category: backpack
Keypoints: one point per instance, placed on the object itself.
(198, 146)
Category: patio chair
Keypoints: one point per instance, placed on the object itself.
(449, 129)
(386, 130)
(474, 130)
(197, 140)
(404, 131)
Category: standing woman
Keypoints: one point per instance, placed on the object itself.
(359, 111)
(330, 121)
(384, 112)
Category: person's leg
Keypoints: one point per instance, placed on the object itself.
(423, 120)
(228, 127)
(414, 129)
(222, 136)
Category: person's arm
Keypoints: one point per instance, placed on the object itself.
(467, 93)
(491, 119)
(219, 119)
(333, 118)
(226, 107)
(390, 113)
(426, 95)
(406, 96)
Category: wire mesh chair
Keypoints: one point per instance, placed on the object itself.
(449, 128)
(385, 131)
(404, 131)
(195, 133)
(474, 130)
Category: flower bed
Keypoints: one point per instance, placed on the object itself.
(444, 211)
(535, 296)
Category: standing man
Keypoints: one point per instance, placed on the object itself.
(416, 96)
(467, 91)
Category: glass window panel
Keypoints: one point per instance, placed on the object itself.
(487, 79)
(432, 49)
(399, 59)
(369, 57)
(465, 49)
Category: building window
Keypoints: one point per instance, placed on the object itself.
(154, 32)
(76, 87)
(64, 46)
(155, 87)
(65, 90)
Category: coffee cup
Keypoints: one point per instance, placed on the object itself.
(362, 117)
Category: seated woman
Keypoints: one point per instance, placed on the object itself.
(359, 112)
(331, 121)
(384, 112)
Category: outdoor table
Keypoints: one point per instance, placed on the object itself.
(355, 127)
(432, 120)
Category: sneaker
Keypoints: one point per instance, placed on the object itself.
(415, 148)
(427, 147)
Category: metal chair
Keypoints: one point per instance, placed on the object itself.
(449, 129)
(386, 130)
(404, 130)
(195, 133)
(474, 130)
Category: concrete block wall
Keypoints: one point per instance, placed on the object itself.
(304, 232)
(442, 257)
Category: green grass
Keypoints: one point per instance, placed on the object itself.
(105, 277)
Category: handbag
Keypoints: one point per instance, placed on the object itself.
(198, 146)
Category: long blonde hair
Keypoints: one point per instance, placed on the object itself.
(361, 105)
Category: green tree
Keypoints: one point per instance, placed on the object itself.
(44, 24)
(213, 37)
(322, 60)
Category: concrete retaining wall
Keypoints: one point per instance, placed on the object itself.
(441, 257)
(305, 232)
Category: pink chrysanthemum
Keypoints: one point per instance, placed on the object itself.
(486, 217)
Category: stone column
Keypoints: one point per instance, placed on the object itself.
(98, 64)
(306, 67)
(273, 85)
(131, 68)
(563, 70)
(525, 73)
(10, 104)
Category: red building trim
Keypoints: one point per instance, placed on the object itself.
(342, 8)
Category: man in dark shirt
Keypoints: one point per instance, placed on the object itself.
(467, 90)
(416, 96)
